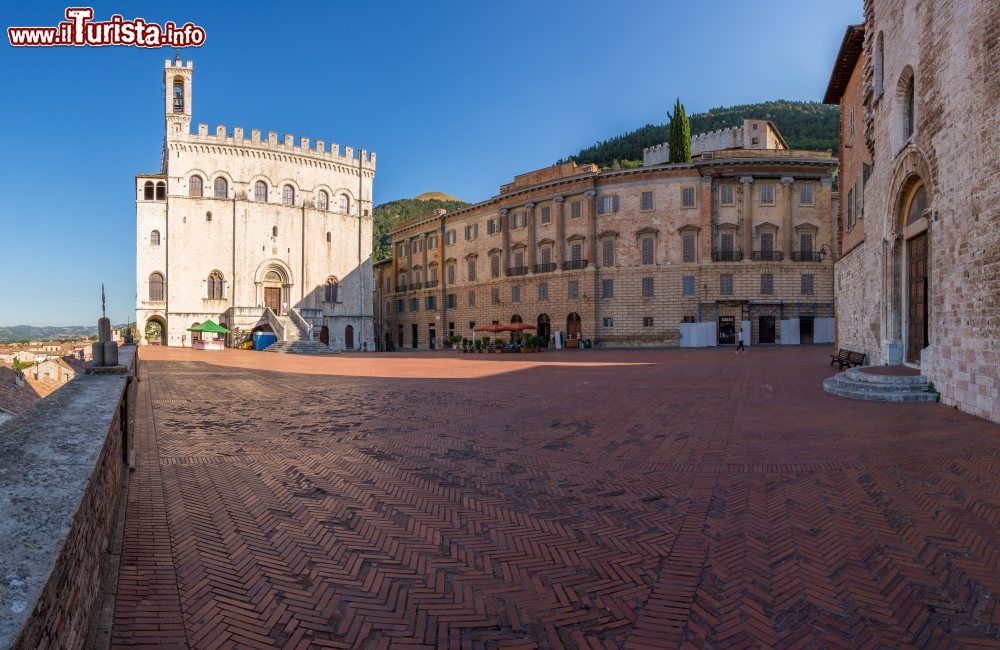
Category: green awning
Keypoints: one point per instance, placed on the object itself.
(210, 327)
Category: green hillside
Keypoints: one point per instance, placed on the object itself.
(804, 125)
(387, 215)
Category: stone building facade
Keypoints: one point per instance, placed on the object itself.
(625, 257)
(919, 281)
(252, 231)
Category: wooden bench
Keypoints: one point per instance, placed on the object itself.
(847, 359)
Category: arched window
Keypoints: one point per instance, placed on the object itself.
(260, 191)
(272, 276)
(908, 109)
(195, 186)
(156, 287)
(345, 204)
(215, 285)
(161, 191)
(221, 188)
(330, 290)
(154, 238)
(288, 195)
(329, 238)
(274, 231)
(918, 204)
(208, 216)
(322, 200)
(178, 94)
(878, 65)
(148, 191)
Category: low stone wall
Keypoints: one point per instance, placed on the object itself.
(62, 464)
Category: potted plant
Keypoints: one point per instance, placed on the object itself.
(479, 345)
(455, 340)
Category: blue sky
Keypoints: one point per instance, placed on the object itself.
(453, 96)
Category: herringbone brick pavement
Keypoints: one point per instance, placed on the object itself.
(577, 499)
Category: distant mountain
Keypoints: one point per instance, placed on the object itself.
(32, 333)
(804, 125)
(387, 215)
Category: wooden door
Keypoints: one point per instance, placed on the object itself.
(272, 299)
(573, 326)
(349, 337)
(916, 277)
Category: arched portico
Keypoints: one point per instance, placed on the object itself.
(155, 330)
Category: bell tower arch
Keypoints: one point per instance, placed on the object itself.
(177, 97)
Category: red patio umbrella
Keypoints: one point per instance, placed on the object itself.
(519, 327)
(491, 328)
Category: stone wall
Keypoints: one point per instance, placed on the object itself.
(61, 471)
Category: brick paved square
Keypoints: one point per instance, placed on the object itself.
(573, 499)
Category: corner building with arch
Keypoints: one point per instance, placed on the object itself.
(918, 282)
(253, 232)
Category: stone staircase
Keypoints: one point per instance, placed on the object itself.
(297, 341)
(855, 383)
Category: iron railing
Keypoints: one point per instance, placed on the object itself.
(768, 256)
(548, 267)
(571, 265)
(517, 270)
(727, 256)
(807, 256)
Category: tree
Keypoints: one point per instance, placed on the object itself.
(680, 135)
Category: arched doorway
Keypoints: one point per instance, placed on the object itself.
(544, 327)
(156, 331)
(917, 273)
(273, 286)
(573, 325)
(349, 337)
(324, 335)
(195, 336)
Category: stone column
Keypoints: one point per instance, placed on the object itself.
(747, 226)
(591, 227)
(529, 215)
(560, 232)
(824, 205)
(408, 243)
(505, 238)
(786, 219)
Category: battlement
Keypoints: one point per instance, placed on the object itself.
(286, 144)
(171, 63)
(752, 135)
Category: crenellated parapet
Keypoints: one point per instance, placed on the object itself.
(287, 144)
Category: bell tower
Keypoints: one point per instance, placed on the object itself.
(177, 97)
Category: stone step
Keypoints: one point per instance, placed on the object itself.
(846, 381)
(841, 386)
(856, 374)
(301, 347)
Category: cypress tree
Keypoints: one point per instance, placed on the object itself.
(680, 135)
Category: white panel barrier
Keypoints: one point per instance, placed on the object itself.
(698, 335)
(790, 331)
(823, 331)
(746, 333)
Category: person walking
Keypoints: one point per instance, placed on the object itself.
(739, 341)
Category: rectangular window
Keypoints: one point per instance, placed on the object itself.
(687, 285)
(573, 290)
(471, 269)
(849, 218)
(805, 194)
(766, 244)
(400, 306)
(726, 284)
(452, 300)
(726, 242)
(432, 242)
(543, 291)
(688, 243)
(576, 252)
(647, 321)
(471, 231)
(608, 252)
(450, 238)
(687, 197)
(807, 284)
(609, 322)
(647, 244)
(495, 295)
(575, 210)
(430, 303)
(472, 326)
(491, 227)
(518, 258)
(451, 274)
(767, 194)
(646, 201)
(414, 304)
(766, 284)
(608, 204)
(515, 294)
(400, 250)
(806, 244)
(516, 219)
(647, 287)
(726, 194)
(494, 266)
(546, 255)
(608, 288)
(546, 214)
(472, 298)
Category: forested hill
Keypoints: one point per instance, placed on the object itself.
(387, 215)
(804, 125)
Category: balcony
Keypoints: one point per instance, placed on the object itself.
(548, 267)
(768, 256)
(416, 286)
(517, 270)
(400, 288)
(431, 284)
(807, 256)
(573, 265)
(727, 256)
